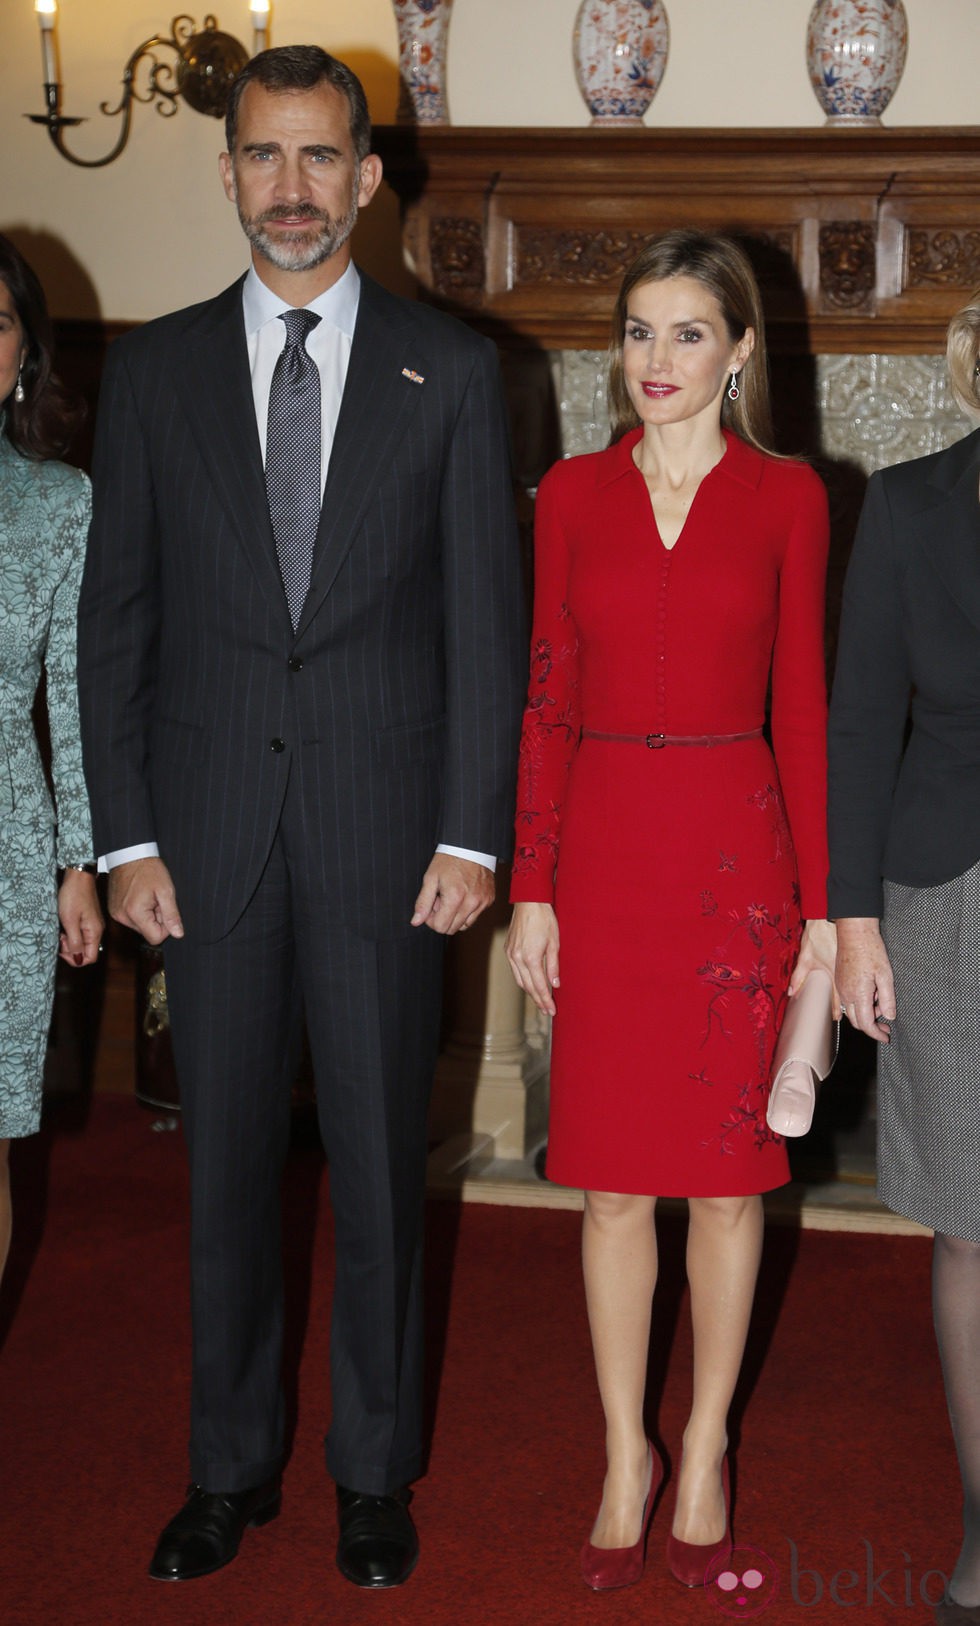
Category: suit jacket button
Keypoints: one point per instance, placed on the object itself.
(294, 663)
(277, 745)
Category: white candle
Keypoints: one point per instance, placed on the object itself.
(260, 25)
(47, 14)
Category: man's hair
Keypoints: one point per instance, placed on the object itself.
(302, 67)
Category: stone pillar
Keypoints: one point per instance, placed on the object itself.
(490, 1082)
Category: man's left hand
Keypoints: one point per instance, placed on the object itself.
(455, 892)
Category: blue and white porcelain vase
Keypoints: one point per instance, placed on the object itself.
(855, 53)
(423, 27)
(620, 51)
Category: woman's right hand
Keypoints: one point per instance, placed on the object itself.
(81, 918)
(532, 949)
(864, 977)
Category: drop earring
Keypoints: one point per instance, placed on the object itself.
(20, 395)
(733, 389)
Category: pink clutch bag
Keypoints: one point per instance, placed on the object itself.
(805, 1052)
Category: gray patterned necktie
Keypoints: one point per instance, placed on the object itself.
(292, 458)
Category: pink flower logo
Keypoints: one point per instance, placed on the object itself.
(742, 1584)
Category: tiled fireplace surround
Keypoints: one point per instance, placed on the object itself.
(865, 243)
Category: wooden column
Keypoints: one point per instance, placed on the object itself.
(490, 1084)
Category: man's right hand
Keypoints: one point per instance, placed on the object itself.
(141, 895)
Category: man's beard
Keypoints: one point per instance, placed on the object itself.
(301, 251)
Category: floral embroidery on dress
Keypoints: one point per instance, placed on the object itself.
(541, 661)
(723, 978)
(770, 800)
(752, 986)
(744, 1117)
(551, 725)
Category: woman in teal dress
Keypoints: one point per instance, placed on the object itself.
(44, 514)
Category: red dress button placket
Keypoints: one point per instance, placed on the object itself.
(660, 648)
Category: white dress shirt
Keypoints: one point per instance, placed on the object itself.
(329, 344)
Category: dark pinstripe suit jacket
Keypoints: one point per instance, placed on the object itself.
(399, 695)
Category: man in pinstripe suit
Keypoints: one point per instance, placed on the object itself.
(302, 796)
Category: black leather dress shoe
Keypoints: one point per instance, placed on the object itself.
(378, 1543)
(207, 1531)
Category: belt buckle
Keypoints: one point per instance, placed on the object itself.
(655, 742)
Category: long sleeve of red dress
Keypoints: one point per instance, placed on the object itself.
(799, 690)
(552, 716)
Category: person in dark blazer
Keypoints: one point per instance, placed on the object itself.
(905, 877)
(301, 664)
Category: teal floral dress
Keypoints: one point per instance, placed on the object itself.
(44, 515)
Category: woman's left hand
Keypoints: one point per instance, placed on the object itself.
(818, 947)
(81, 918)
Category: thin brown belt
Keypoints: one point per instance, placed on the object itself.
(654, 742)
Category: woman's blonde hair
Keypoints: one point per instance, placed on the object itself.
(963, 355)
(722, 267)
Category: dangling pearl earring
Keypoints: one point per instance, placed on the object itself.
(733, 390)
(20, 395)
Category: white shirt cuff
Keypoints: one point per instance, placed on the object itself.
(486, 859)
(149, 849)
(127, 855)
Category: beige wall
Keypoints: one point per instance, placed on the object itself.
(732, 62)
(152, 231)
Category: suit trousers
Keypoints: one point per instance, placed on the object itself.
(372, 1014)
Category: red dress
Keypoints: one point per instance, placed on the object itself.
(679, 875)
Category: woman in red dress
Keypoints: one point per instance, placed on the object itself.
(665, 859)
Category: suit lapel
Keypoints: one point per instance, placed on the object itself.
(378, 405)
(952, 524)
(216, 392)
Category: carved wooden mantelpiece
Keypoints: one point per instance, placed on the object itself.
(865, 241)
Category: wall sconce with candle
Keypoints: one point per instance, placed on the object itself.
(205, 64)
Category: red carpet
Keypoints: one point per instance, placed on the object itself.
(845, 1470)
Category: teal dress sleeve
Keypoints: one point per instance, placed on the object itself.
(74, 829)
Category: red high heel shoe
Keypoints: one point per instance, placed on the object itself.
(688, 1560)
(606, 1567)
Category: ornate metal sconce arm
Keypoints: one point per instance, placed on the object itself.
(57, 123)
(205, 65)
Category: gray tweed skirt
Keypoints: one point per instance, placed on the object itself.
(929, 1075)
